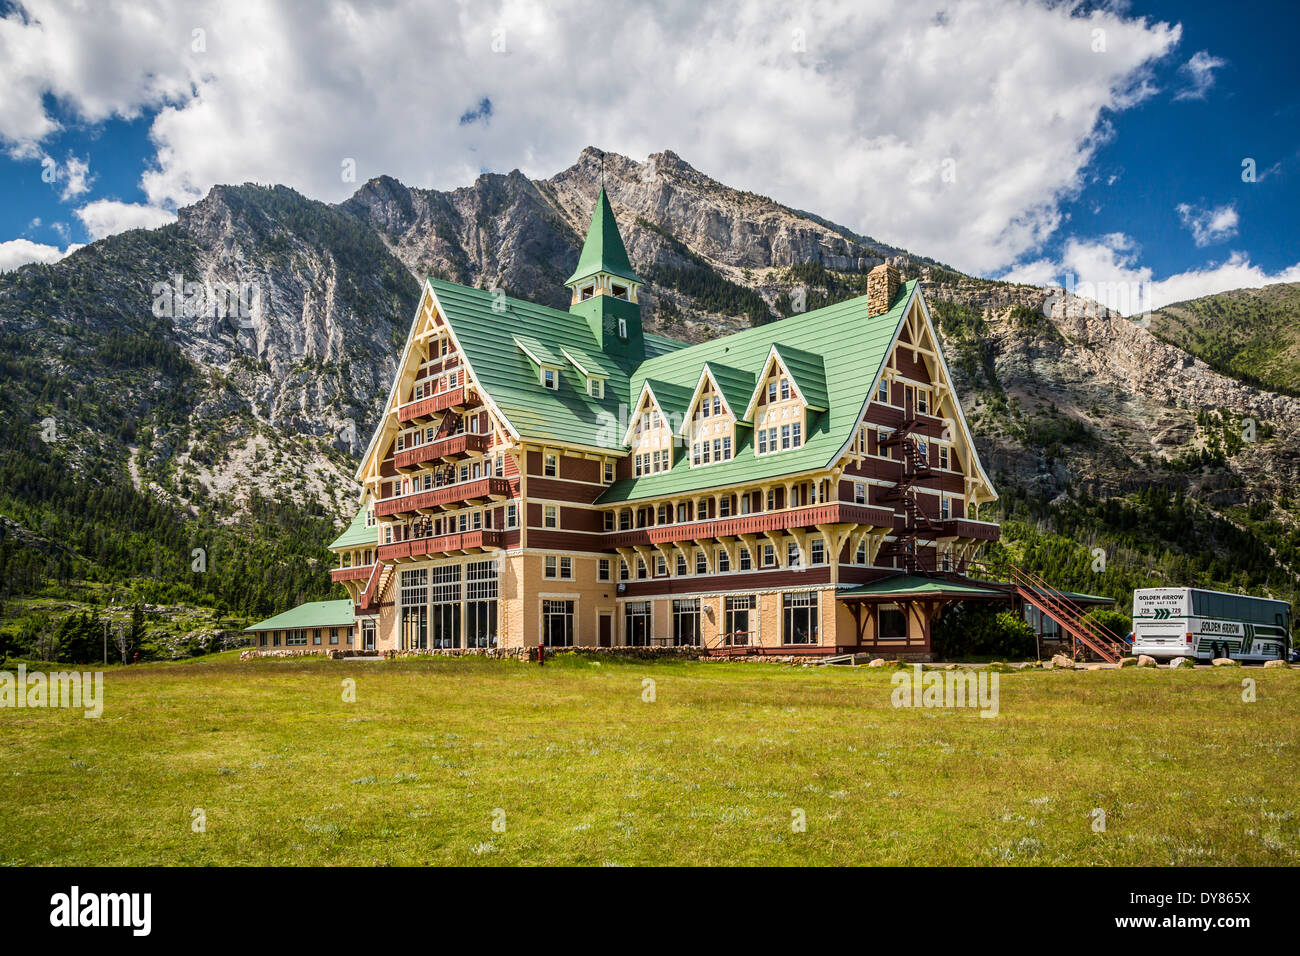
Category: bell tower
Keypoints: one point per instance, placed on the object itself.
(605, 287)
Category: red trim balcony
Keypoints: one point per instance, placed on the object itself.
(482, 539)
(359, 573)
(481, 489)
(965, 528)
(834, 513)
(448, 449)
(427, 407)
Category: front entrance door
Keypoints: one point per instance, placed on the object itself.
(606, 630)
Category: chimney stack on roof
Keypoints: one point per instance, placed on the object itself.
(882, 285)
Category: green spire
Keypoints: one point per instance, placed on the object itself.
(603, 251)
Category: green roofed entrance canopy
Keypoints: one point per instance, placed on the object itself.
(312, 614)
(916, 587)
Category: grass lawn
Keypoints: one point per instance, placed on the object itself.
(712, 772)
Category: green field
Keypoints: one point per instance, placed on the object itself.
(584, 771)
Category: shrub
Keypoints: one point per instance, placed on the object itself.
(1117, 623)
(973, 629)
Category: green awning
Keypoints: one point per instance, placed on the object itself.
(912, 586)
(312, 614)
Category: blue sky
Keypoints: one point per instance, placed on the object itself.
(1008, 140)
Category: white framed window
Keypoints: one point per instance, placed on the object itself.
(622, 328)
(701, 562)
(596, 387)
(818, 551)
(512, 515)
(609, 472)
(943, 457)
(602, 569)
(550, 379)
(723, 561)
(743, 559)
(859, 493)
(945, 507)
(551, 465)
(550, 516)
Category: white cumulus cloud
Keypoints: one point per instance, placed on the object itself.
(107, 217)
(953, 128)
(1199, 74)
(1209, 226)
(1107, 269)
(19, 252)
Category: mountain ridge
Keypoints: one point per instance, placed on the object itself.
(217, 418)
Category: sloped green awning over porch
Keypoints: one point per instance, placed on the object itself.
(312, 614)
(917, 587)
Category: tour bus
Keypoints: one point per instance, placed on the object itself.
(1189, 622)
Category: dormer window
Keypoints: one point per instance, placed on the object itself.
(596, 387)
(550, 379)
(622, 328)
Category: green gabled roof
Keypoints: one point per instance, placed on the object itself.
(736, 385)
(852, 346)
(539, 353)
(916, 585)
(603, 251)
(809, 374)
(356, 534)
(597, 365)
(657, 345)
(567, 414)
(673, 399)
(313, 614)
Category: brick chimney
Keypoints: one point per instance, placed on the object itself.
(882, 285)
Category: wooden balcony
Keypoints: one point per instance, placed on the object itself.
(834, 513)
(446, 449)
(359, 573)
(435, 499)
(482, 539)
(965, 528)
(433, 405)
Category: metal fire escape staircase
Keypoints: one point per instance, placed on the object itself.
(915, 466)
(1071, 618)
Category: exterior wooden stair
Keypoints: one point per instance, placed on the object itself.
(1032, 589)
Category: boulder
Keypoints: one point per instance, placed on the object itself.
(1062, 660)
(1145, 661)
(1182, 662)
(1128, 662)
(1277, 663)
(878, 662)
(1225, 662)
